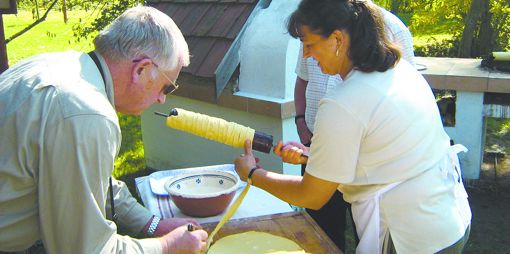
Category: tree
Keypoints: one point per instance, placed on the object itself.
(471, 22)
(108, 11)
(500, 11)
(486, 28)
(105, 11)
(39, 20)
(477, 26)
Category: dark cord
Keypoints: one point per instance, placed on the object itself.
(112, 203)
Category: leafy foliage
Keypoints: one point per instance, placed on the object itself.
(492, 28)
(439, 48)
(105, 13)
(501, 22)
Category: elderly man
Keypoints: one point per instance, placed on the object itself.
(59, 135)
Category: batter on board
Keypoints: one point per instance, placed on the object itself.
(253, 242)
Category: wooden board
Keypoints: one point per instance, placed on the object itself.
(296, 226)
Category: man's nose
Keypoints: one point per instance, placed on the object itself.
(162, 98)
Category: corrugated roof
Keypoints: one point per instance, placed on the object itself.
(209, 26)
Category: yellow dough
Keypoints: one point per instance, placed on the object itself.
(212, 128)
(253, 242)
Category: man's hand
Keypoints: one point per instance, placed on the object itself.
(182, 241)
(167, 225)
(292, 152)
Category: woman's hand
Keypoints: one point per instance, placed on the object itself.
(245, 162)
(292, 152)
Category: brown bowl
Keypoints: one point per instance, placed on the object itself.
(203, 193)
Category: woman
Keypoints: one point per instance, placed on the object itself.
(378, 139)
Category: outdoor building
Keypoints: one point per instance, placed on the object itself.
(243, 70)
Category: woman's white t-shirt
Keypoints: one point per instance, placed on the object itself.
(381, 128)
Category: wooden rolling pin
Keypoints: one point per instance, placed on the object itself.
(217, 129)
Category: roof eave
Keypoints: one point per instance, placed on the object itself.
(232, 59)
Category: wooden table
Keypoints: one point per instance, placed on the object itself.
(296, 226)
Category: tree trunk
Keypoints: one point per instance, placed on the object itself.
(4, 61)
(470, 26)
(37, 9)
(64, 10)
(485, 40)
(395, 6)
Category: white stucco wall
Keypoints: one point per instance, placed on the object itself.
(468, 131)
(269, 54)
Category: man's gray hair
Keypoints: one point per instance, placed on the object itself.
(144, 32)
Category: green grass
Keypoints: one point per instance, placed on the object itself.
(51, 35)
(54, 35)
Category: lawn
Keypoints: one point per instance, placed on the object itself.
(52, 35)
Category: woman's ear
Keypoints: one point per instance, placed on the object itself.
(140, 70)
(341, 38)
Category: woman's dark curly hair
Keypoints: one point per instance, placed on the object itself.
(370, 49)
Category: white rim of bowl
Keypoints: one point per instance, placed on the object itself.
(235, 177)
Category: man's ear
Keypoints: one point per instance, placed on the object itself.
(140, 70)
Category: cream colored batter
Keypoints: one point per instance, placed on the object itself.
(253, 242)
(202, 190)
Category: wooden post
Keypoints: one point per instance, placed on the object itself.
(4, 62)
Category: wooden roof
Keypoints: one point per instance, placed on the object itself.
(209, 26)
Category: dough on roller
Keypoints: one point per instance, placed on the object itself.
(253, 242)
(212, 128)
(501, 56)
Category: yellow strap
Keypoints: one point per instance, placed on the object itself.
(229, 213)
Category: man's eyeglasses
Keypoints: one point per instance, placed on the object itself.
(167, 89)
